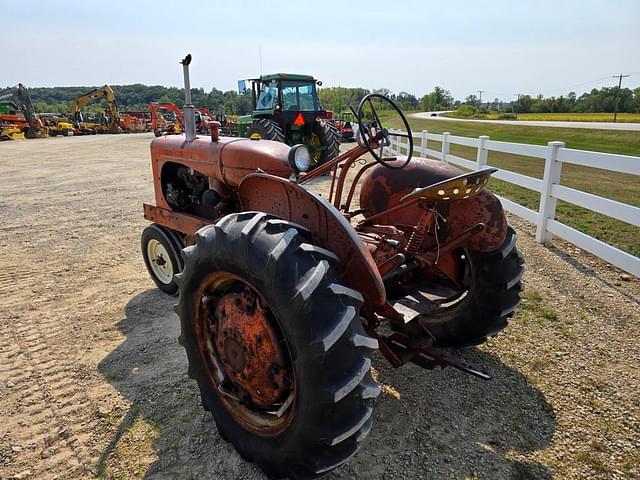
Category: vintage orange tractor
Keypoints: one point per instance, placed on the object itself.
(284, 294)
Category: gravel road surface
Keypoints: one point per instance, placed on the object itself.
(93, 383)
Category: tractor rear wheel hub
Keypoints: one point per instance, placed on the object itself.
(249, 348)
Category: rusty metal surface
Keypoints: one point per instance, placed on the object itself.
(180, 222)
(461, 187)
(329, 229)
(484, 208)
(383, 188)
(226, 302)
(400, 349)
(249, 348)
(228, 159)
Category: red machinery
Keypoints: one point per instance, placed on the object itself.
(162, 126)
(24, 116)
(285, 293)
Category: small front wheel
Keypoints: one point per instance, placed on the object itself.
(161, 253)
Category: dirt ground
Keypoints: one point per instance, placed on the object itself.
(93, 382)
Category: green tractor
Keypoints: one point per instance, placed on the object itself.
(286, 109)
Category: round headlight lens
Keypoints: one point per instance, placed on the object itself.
(300, 158)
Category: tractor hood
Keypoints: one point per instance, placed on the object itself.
(229, 159)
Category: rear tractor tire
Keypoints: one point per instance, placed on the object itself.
(265, 129)
(324, 143)
(276, 345)
(160, 251)
(494, 280)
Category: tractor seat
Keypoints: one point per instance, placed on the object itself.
(457, 188)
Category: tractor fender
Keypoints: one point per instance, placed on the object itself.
(382, 188)
(328, 227)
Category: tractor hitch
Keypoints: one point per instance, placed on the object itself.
(399, 349)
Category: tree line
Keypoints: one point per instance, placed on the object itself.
(595, 101)
(138, 96)
(339, 99)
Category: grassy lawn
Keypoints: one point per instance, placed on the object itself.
(617, 186)
(562, 117)
(580, 117)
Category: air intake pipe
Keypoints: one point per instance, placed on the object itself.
(189, 109)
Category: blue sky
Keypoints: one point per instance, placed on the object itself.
(501, 47)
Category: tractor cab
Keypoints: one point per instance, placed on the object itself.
(286, 108)
(294, 100)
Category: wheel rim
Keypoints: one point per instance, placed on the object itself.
(255, 136)
(315, 147)
(244, 354)
(160, 261)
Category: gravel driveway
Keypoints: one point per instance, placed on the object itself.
(94, 384)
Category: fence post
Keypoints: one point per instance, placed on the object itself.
(445, 146)
(483, 153)
(392, 141)
(423, 143)
(552, 172)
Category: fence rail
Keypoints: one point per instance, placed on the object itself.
(550, 189)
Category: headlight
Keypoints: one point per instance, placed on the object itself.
(299, 158)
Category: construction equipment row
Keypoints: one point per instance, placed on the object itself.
(18, 118)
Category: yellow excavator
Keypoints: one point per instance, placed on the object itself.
(112, 117)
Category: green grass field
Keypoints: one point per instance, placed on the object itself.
(617, 186)
(580, 117)
(564, 117)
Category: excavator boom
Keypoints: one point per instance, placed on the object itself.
(112, 107)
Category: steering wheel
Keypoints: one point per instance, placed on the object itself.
(375, 136)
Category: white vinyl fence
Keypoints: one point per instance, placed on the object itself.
(550, 189)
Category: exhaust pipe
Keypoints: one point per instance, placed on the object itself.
(189, 109)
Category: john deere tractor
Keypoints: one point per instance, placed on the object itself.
(286, 109)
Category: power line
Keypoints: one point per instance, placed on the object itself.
(619, 77)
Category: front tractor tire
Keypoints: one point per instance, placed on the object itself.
(494, 284)
(324, 142)
(160, 251)
(265, 129)
(276, 345)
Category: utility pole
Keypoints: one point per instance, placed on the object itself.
(619, 77)
(480, 92)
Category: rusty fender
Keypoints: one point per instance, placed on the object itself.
(483, 208)
(329, 229)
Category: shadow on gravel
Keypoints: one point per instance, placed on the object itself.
(590, 272)
(445, 424)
